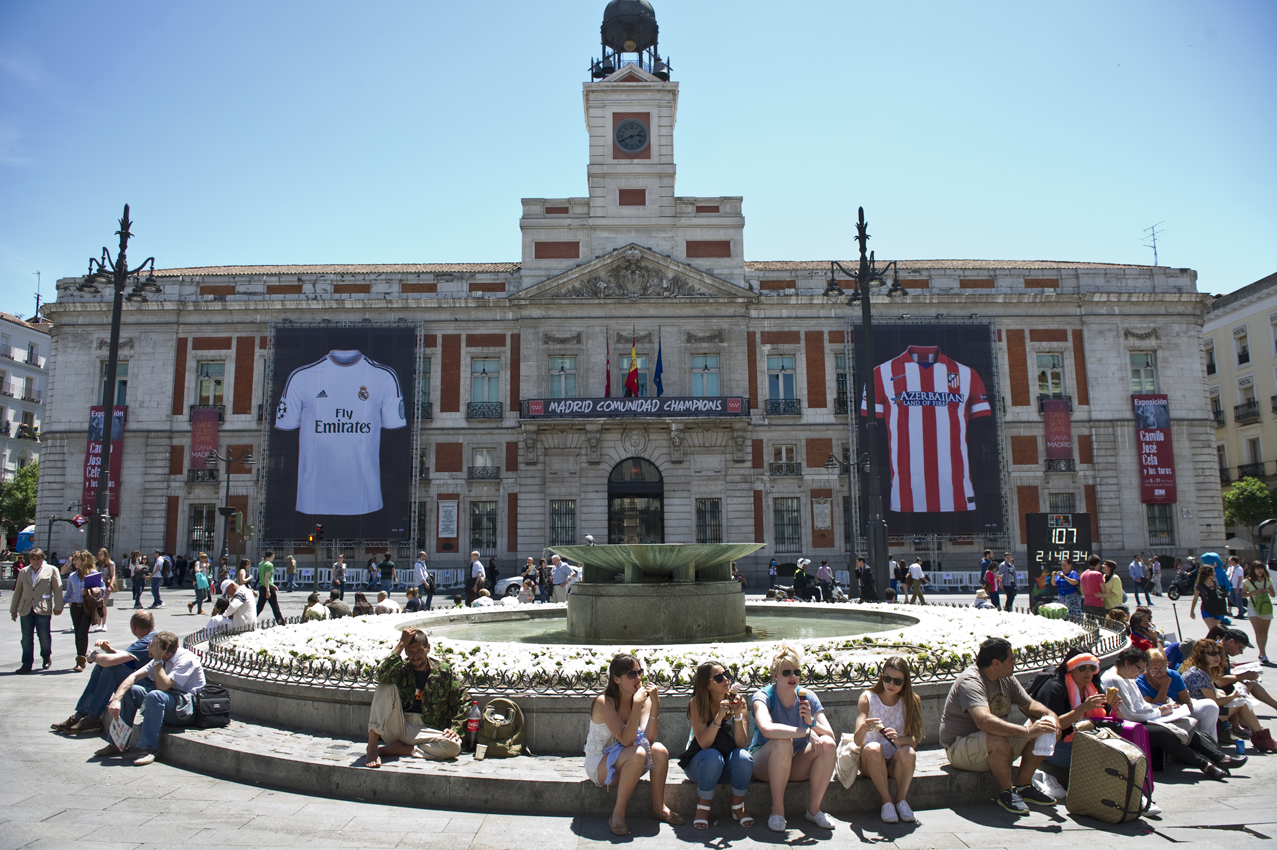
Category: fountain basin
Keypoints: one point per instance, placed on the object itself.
(639, 562)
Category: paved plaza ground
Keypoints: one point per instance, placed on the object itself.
(55, 794)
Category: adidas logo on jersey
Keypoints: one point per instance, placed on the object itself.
(322, 394)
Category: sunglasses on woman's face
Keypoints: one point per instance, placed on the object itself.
(634, 674)
(787, 673)
(898, 681)
(1210, 652)
(722, 677)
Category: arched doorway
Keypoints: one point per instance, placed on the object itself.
(635, 503)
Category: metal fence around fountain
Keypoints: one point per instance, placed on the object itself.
(216, 657)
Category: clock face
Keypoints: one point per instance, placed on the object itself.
(631, 135)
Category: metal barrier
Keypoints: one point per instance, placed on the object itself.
(1098, 638)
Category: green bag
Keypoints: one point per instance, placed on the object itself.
(502, 729)
(1054, 611)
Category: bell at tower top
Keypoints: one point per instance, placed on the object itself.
(629, 34)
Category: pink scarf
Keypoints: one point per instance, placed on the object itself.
(1076, 695)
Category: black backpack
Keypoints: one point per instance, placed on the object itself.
(212, 707)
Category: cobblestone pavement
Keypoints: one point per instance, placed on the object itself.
(56, 795)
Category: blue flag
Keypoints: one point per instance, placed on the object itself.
(656, 376)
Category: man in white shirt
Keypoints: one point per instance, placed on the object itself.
(483, 600)
(421, 575)
(1236, 574)
(916, 579)
(478, 578)
(562, 576)
(1139, 578)
(242, 610)
(156, 576)
(167, 686)
(385, 605)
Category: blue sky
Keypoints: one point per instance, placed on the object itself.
(317, 132)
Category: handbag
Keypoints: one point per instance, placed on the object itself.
(724, 742)
(847, 763)
(212, 707)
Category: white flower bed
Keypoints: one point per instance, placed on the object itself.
(942, 636)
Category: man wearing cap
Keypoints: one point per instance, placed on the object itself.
(1234, 641)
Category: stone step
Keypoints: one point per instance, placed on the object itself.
(311, 763)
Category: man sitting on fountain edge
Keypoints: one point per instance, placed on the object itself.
(419, 707)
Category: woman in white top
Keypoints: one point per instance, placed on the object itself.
(888, 729)
(621, 746)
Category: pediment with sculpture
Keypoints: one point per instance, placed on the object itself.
(634, 272)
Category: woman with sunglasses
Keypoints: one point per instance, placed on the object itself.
(1214, 600)
(1202, 670)
(1199, 751)
(888, 728)
(716, 751)
(792, 740)
(621, 745)
(1258, 592)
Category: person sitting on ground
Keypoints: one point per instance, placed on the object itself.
(792, 740)
(1234, 642)
(621, 745)
(771, 595)
(413, 603)
(482, 599)
(362, 606)
(1142, 632)
(419, 708)
(110, 667)
(715, 752)
(888, 731)
(385, 605)
(336, 607)
(1204, 677)
(1199, 751)
(1118, 617)
(1159, 684)
(976, 735)
(982, 600)
(241, 611)
(889, 596)
(167, 686)
(220, 621)
(458, 601)
(315, 610)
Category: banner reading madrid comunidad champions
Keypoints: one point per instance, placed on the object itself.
(938, 427)
(341, 442)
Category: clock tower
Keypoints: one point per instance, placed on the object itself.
(631, 106)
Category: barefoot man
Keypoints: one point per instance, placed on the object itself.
(419, 707)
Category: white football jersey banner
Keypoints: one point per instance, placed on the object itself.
(340, 403)
(927, 400)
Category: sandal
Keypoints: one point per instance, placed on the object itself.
(702, 822)
(744, 818)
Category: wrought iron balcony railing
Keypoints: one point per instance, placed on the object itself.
(483, 410)
(1252, 470)
(483, 473)
(786, 468)
(196, 475)
(784, 407)
(1066, 464)
(1247, 411)
(220, 408)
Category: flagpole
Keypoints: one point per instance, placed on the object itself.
(607, 385)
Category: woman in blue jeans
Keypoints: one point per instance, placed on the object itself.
(716, 750)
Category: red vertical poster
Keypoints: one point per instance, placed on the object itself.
(1058, 419)
(93, 459)
(205, 425)
(1157, 457)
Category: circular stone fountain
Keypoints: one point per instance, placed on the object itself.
(656, 592)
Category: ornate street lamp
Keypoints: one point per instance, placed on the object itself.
(118, 274)
(213, 459)
(868, 278)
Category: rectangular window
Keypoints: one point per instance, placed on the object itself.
(1242, 344)
(423, 391)
(485, 380)
(121, 383)
(483, 457)
(846, 525)
(840, 383)
(423, 524)
(784, 453)
(203, 536)
(563, 377)
(1216, 405)
(780, 377)
(210, 379)
(483, 527)
(1253, 450)
(1143, 373)
(709, 520)
(704, 375)
(787, 522)
(1210, 360)
(1246, 394)
(562, 522)
(28, 388)
(1050, 374)
(642, 374)
(1222, 456)
(1062, 503)
(28, 419)
(1161, 525)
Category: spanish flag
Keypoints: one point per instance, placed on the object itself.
(631, 377)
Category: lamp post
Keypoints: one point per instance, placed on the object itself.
(867, 277)
(215, 457)
(117, 273)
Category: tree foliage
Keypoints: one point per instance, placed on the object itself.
(1248, 503)
(17, 499)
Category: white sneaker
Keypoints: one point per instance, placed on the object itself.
(820, 819)
(888, 813)
(906, 813)
(776, 823)
(1154, 810)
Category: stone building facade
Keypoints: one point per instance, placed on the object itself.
(630, 263)
(24, 378)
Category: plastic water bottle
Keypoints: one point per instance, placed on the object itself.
(472, 726)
